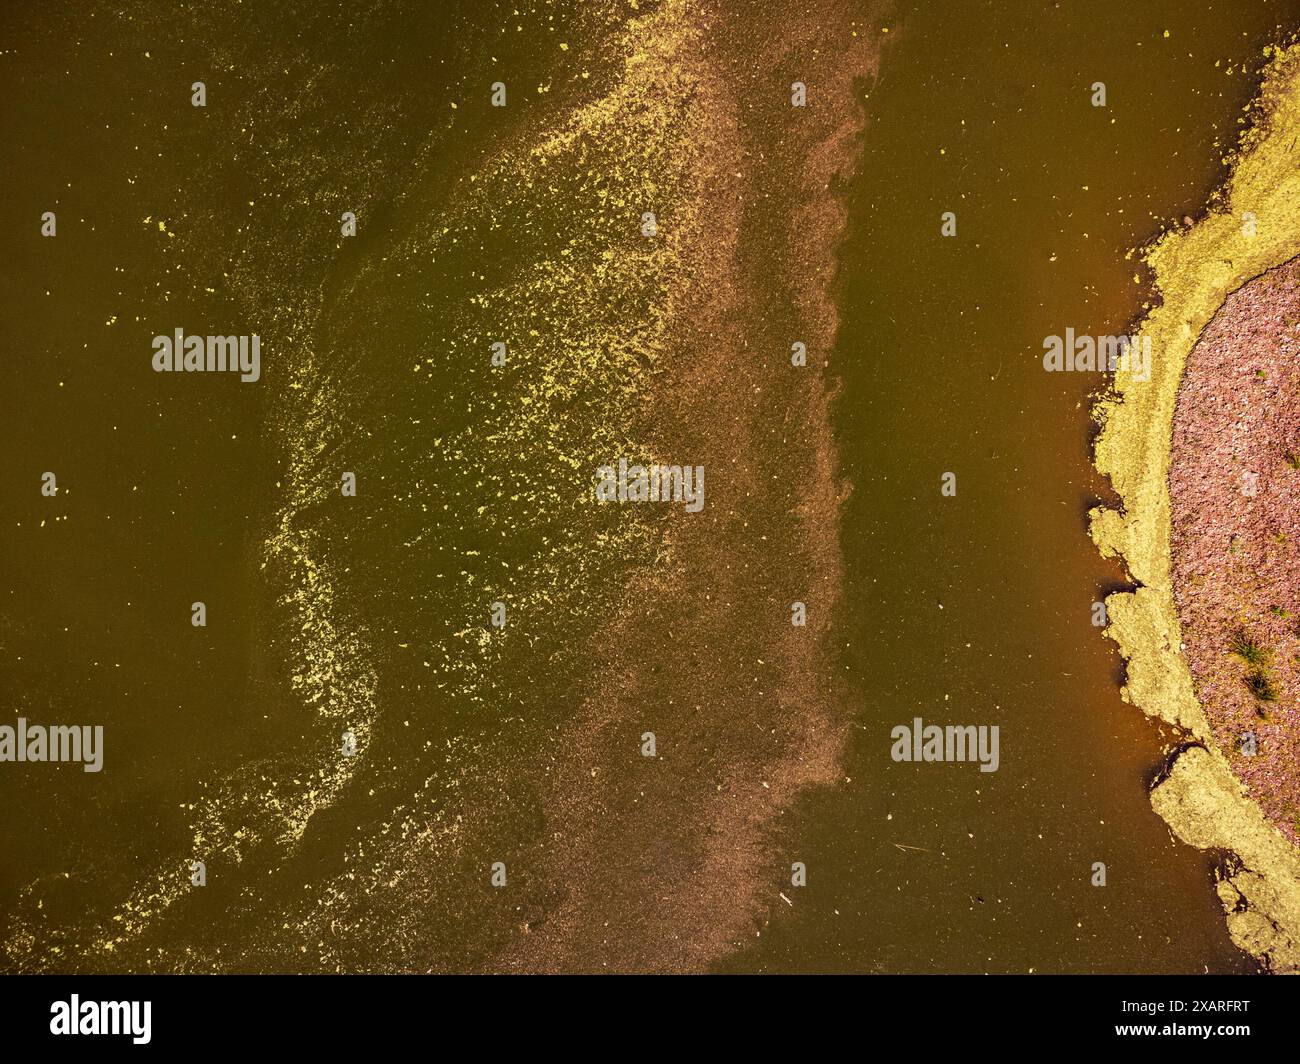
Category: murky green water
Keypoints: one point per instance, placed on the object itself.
(325, 615)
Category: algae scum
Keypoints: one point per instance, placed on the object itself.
(501, 327)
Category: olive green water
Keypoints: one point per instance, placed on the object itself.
(325, 616)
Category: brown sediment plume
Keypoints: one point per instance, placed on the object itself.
(1250, 228)
(664, 863)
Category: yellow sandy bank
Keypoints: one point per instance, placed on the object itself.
(1253, 226)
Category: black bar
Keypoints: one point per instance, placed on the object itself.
(659, 1015)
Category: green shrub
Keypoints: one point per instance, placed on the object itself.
(1261, 685)
(1247, 649)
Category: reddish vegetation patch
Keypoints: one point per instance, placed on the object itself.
(1236, 533)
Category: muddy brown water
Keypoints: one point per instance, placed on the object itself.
(976, 609)
(972, 609)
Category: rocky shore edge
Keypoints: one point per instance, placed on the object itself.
(1251, 226)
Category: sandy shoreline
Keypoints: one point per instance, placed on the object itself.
(1251, 228)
